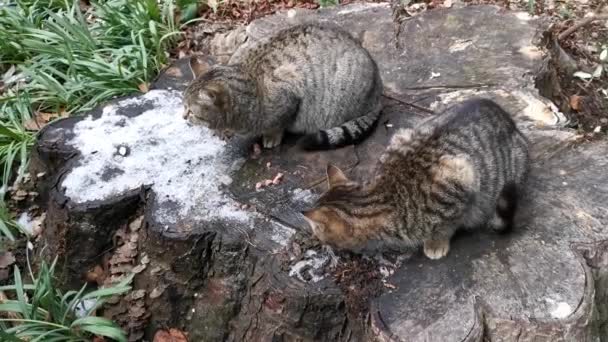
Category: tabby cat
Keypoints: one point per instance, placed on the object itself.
(463, 168)
(309, 79)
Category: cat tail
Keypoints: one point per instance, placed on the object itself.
(350, 132)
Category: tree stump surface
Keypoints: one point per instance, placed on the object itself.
(232, 266)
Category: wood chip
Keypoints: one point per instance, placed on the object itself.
(575, 102)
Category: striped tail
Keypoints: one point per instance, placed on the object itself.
(351, 132)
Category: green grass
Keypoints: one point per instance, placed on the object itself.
(328, 3)
(70, 61)
(41, 312)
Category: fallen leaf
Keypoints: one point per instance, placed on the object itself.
(96, 275)
(178, 335)
(6, 259)
(41, 119)
(143, 87)
(575, 102)
(582, 75)
(173, 335)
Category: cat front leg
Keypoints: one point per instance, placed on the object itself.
(272, 139)
(437, 248)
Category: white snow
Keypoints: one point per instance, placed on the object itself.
(82, 308)
(281, 233)
(26, 222)
(313, 264)
(184, 164)
(305, 196)
(562, 310)
(559, 309)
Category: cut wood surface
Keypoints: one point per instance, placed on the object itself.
(227, 267)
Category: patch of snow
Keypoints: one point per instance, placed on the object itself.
(312, 266)
(281, 233)
(82, 308)
(559, 309)
(26, 223)
(305, 196)
(184, 164)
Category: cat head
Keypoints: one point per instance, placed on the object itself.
(327, 222)
(205, 102)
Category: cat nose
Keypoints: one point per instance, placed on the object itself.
(186, 113)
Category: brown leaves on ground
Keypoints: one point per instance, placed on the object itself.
(41, 119)
(144, 87)
(129, 311)
(96, 275)
(173, 335)
(575, 102)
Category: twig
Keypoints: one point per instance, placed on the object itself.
(583, 22)
(426, 110)
(452, 86)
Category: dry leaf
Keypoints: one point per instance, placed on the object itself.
(143, 87)
(6, 259)
(96, 275)
(575, 102)
(41, 119)
(173, 335)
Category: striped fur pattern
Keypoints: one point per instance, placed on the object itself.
(311, 79)
(463, 168)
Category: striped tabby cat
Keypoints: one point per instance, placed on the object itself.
(310, 79)
(462, 168)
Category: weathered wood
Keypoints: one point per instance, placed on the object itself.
(222, 280)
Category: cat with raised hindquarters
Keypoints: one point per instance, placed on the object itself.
(463, 168)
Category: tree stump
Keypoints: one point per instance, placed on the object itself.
(228, 262)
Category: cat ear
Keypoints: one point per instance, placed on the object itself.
(216, 94)
(198, 66)
(308, 216)
(335, 175)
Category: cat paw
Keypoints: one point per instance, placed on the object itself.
(497, 223)
(272, 140)
(436, 249)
